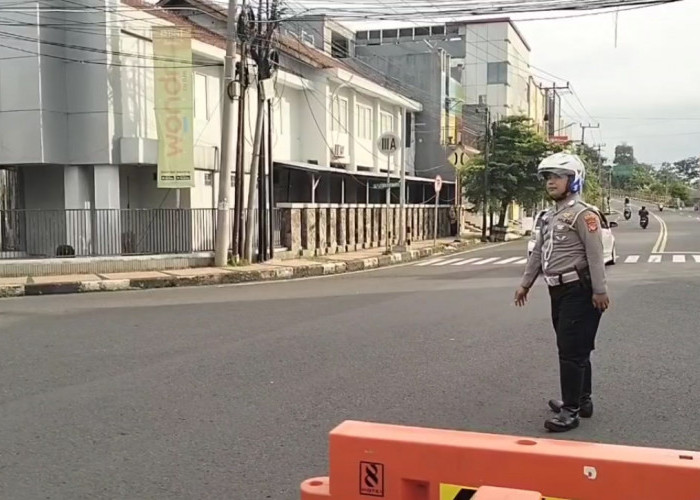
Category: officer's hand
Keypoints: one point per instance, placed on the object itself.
(521, 296)
(601, 301)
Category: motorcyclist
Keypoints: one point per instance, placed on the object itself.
(628, 210)
(643, 213)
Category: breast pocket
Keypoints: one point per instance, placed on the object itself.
(562, 232)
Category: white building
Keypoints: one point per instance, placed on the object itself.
(489, 57)
(79, 140)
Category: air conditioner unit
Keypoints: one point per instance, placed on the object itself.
(338, 150)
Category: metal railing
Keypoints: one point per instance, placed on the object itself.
(38, 233)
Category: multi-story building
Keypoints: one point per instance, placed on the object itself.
(80, 140)
(490, 57)
(430, 77)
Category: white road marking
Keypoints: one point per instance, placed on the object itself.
(632, 259)
(697, 258)
(451, 261)
(429, 262)
(678, 259)
(655, 259)
(466, 261)
(508, 261)
(486, 261)
(521, 261)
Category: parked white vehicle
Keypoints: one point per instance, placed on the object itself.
(609, 251)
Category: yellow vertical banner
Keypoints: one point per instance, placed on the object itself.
(172, 51)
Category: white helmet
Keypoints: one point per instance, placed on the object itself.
(565, 164)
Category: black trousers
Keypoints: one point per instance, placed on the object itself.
(575, 321)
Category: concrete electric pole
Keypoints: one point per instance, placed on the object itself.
(223, 215)
(583, 132)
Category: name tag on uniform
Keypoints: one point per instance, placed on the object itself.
(567, 217)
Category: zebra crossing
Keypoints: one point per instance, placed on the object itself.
(447, 261)
(474, 261)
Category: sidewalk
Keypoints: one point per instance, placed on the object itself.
(268, 271)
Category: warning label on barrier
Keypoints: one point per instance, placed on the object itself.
(371, 479)
(454, 492)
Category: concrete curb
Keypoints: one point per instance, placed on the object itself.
(319, 267)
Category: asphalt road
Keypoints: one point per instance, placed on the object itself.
(229, 392)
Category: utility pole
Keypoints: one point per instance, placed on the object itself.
(263, 56)
(583, 132)
(551, 103)
(402, 183)
(487, 147)
(600, 173)
(223, 215)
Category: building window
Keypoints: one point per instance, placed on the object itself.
(339, 118)
(390, 34)
(208, 178)
(497, 73)
(422, 31)
(386, 122)
(364, 121)
(340, 46)
(307, 38)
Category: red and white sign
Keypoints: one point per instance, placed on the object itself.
(438, 183)
(559, 139)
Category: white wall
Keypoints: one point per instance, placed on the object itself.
(138, 189)
(519, 59)
(21, 140)
(314, 121)
(496, 42)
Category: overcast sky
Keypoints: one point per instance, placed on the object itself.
(645, 91)
(652, 78)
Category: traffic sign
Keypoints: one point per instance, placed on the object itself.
(388, 143)
(458, 158)
(438, 183)
(384, 185)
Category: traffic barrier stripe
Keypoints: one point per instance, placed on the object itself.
(370, 461)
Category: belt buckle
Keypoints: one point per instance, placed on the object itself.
(552, 280)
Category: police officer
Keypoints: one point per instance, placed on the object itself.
(569, 253)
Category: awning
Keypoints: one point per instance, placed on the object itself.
(310, 167)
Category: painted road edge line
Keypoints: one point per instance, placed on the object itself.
(661, 241)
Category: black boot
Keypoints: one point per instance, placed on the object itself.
(566, 420)
(586, 408)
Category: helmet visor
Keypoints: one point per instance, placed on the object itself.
(546, 173)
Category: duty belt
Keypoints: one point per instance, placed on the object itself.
(561, 279)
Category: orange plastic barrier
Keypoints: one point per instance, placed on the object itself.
(370, 461)
(492, 493)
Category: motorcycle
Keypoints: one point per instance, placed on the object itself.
(628, 213)
(644, 222)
